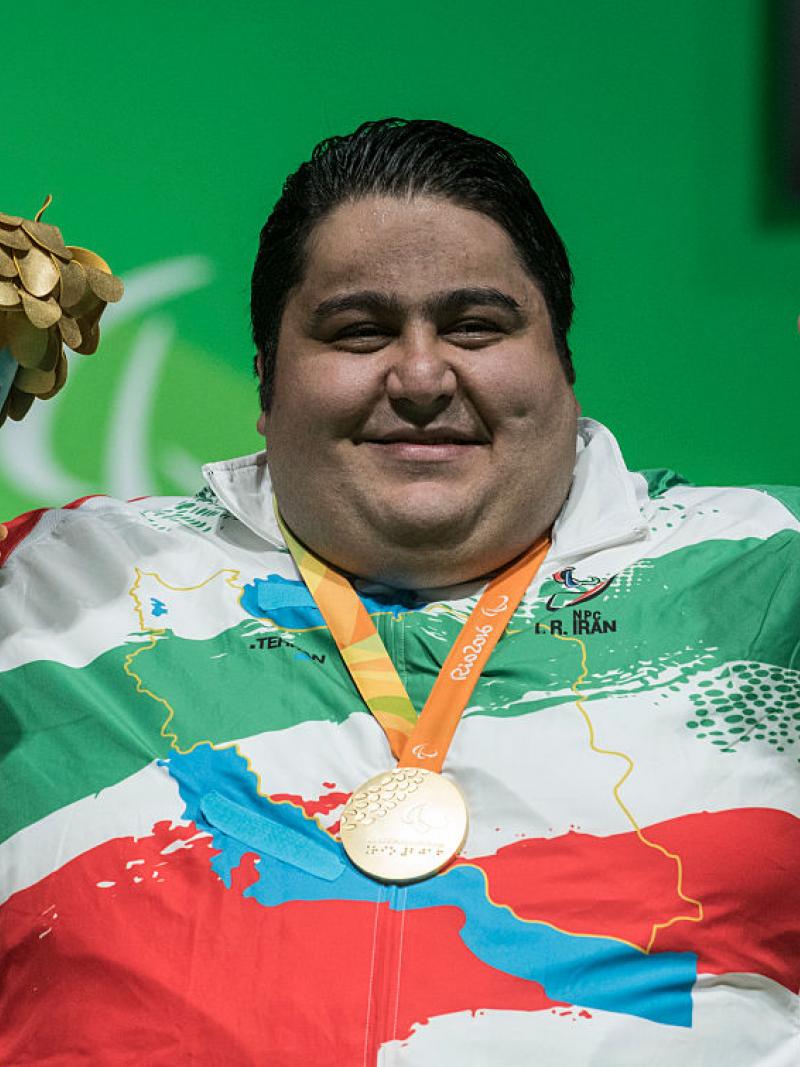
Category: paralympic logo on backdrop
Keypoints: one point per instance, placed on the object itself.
(31, 462)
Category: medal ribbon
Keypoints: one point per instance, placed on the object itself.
(416, 740)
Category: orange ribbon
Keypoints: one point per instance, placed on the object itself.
(416, 740)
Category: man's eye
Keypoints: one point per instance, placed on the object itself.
(365, 331)
(474, 328)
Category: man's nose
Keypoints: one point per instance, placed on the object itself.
(421, 381)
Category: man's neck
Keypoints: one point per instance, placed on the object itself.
(427, 567)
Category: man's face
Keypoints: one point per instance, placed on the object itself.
(422, 431)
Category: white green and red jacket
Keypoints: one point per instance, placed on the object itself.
(178, 735)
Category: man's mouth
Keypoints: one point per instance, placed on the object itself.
(425, 444)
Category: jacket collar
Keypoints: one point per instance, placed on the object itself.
(606, 501)
(243, 486)
(603, 509)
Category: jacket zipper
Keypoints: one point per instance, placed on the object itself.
(387, 944)
(386, 965)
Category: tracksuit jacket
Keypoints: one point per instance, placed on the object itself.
(178, 736)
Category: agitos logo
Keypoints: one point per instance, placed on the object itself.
(576, 590)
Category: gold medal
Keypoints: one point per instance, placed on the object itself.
(408, 823)
(404, 825)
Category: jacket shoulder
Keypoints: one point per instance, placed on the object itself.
(31, 529)
(787, 495)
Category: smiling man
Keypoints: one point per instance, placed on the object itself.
(430, 734)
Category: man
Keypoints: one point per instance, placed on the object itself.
(189, 734)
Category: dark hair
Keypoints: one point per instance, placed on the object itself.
(398, 157)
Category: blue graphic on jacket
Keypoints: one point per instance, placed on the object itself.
(289, 604)
(299, 861)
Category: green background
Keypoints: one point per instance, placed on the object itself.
(164, 130)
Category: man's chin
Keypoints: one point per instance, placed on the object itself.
(428, 525)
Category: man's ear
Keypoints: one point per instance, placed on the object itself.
(261, 424)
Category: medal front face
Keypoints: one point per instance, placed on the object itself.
(404, 825)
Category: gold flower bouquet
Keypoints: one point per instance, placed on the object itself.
(51, 295)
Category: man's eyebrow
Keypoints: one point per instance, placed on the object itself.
(451, 302)
(460, 299)
(364, 300)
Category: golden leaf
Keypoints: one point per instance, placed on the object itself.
(61, 375)
(9, 294)
(27, 344)
(33, 380)
(37, 271)
(104, 285)
(90, 338)
(8, 268)
(89, 259)
(73, 284)
(41, 313)
(16, 238)
(52, 352)
(19, 404)
(70, 330)
(48, 237)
